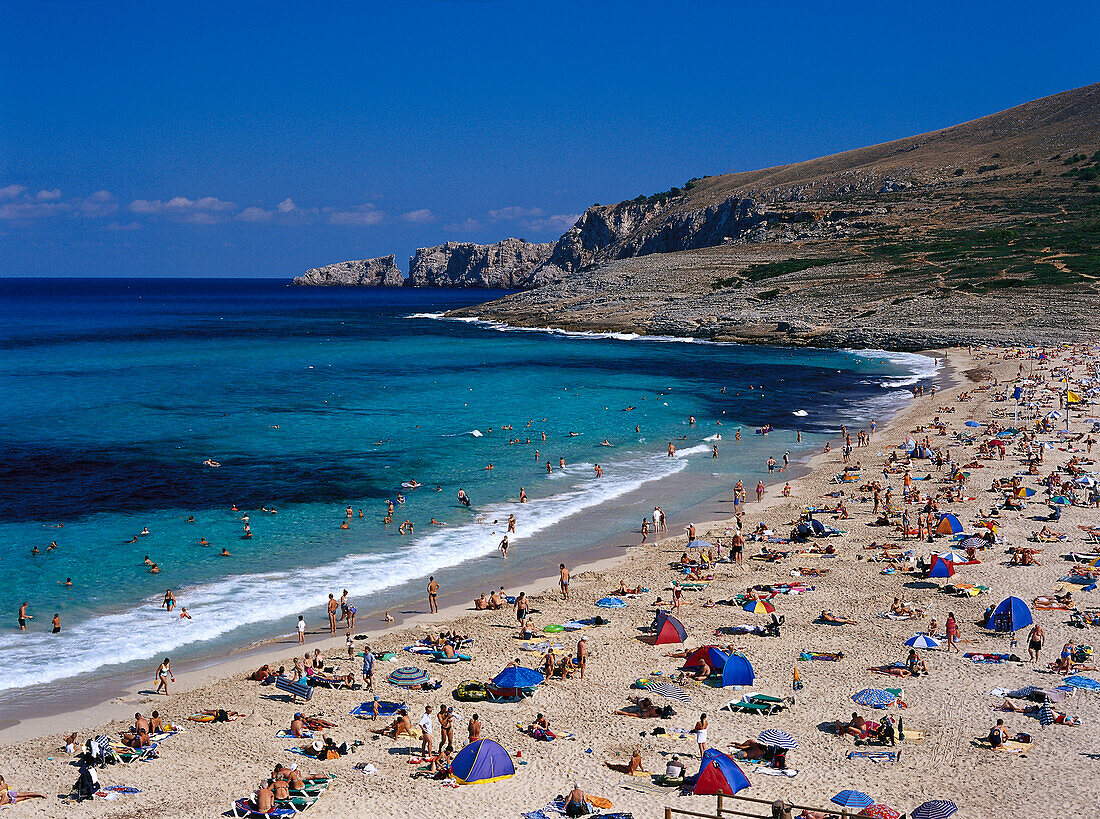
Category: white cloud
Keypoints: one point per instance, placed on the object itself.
(255, 215)
(48, 196)
(11, 191)
(557, 223)
(465, 226)
(286, 206)
(514, 213)
(359, 216)
(207, 210)
(418, 217)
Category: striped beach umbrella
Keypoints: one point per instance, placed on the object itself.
(952, 557)
(874, 698)
(408, 677)
(775, 738)
(971, 542)
(852, 799)
(1024, 492)
(1046, 715)
(669, 691)
(759, 607)
(935, 809)
(922, 640)
(879, 812)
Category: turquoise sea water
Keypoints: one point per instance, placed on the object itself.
(114, 392)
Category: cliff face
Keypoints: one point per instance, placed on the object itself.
(378, 272)
(505, 265)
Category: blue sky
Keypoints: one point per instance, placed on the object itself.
(260, 139)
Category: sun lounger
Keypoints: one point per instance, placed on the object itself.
(876, 756)
(295, 689)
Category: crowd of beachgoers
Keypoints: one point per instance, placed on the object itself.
(909, 624)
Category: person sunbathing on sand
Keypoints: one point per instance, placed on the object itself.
(897, 607)
(829, 617)
(855, 726)
(643, 707)
(401, 725)
(298, 728)
(9, 796)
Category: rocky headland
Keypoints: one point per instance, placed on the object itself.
(377, 272)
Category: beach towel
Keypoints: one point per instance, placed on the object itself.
(876, 756)
(989, 659)
(787, 772)
(287, 735)
(385, 709)
(821, 656)
(889, 615)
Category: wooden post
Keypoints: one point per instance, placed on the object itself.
(719, 811)
(668, 813)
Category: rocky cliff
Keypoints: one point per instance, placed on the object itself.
(506, 265)
(378, 272)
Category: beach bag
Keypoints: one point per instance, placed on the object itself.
(86, 784)
(221, 716)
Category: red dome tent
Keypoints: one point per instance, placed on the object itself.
(667, 629)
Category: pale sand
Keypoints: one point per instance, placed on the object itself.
(201, 771)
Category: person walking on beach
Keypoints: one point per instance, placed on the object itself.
(1035, 639)
(169, 600)
(23, 616)
(521, 606)
(301, 630)
(426, 731)
(433, 592)
(645, 529)
(368, 669)
(563, 581)
(332, 607)
(700, 732)
(759, 491)
(952, 630)
(164, 673)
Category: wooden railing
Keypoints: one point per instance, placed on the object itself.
(721, 810)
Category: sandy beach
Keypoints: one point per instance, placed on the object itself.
(202, 770)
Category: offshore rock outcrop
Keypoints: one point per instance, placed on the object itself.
(377, 272)
(507, 265)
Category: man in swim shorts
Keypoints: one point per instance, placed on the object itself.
(564, 581)
(433, 592)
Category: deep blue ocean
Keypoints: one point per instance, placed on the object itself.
(113, 393)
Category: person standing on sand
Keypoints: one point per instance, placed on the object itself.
(1035, 640)
(473, 728)
(582, 655)
(563, 581)
(332, 607)
(426, 731)
(700, 732)
(164, 673)
(645, 529)
(737, 548)
(952, 630)
(368, 668)
(759, 491)
(301, 630)
(433, 592)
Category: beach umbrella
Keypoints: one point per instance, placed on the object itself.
(973, 424)
(774, 738)
(482, 761)
(922, 640)
(874, 698)
(952, 557)
(758, 607)
(1024, 492)
(611, 603)
(935, 809)
(518, 677)
(852, 799)
(1060, 500)
(669, 691)
(1081, 681)
(408, 677)
(699, 544)
(1011, 614)
(1046, 715)
(719, 774)
(973, 541)
(879, 812)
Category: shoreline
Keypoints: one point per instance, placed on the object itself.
(114, 702)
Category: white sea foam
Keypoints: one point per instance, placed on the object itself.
(147, 632)
(800, 413)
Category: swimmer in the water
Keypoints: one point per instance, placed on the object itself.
(148, 561)
(344, 524)
(224, 552)
(183, 613)
(605, 442)
(190, 518)
(155, 569)
(388, 618)
(52, 546)
(68, 582)
(35, 551)
(144, 530)
(203, 541)
(437, 523)
(573, 434)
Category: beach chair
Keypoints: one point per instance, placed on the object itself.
(295, 689)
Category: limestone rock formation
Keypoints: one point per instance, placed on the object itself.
(377, 272)
(505, 265)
